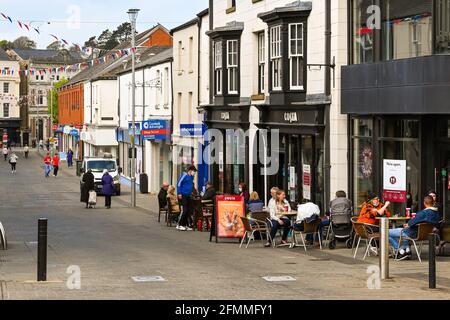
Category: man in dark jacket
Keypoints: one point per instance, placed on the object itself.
(87, 186)
(162, 196)
(428, 215)
(107, 188)
(210, 193)
(185, 187)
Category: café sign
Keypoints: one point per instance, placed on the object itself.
(394, 181)
(225, 116)
(291, 117)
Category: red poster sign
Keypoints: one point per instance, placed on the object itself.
(395, 196)
(229, 209)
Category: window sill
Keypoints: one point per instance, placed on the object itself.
(231, 10)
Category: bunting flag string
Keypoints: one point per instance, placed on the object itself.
(111, 55)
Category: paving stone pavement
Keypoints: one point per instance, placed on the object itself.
(112, 246)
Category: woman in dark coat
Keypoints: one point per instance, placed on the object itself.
(88, 185)
(108, 188)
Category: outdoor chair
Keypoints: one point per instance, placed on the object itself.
(163, 211)
(171, 214)
(251, 227)
(364, 232)
(424, 229)
(308, 228)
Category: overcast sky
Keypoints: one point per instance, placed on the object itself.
(95, 16)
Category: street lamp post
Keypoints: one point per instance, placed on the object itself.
(133, 13)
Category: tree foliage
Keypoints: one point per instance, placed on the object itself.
(108, 39)
(53, 99)
(24, 43)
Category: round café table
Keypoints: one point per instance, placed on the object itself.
(394, 221)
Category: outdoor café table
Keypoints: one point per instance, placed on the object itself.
(394, 221)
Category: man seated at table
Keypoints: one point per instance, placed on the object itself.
(429, 215)
(210, 193)
(306, 213)
(372, 209)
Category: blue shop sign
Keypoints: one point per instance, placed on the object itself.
(74, 133)
(138, 129)
(155, 130)
(192, 130)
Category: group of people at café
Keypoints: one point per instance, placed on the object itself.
(374, 208)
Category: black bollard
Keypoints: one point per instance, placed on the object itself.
(42, 250)
(432, 260)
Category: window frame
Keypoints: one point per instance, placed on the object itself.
(261, 62)
(6, 87)
(218, 68)
(7, 106)
(233, 66)
(297, 56)
(276, 57)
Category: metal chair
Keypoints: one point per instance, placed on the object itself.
(251, 227)
(424, 229)
(363, 232)
(163, 211)
(308, 228)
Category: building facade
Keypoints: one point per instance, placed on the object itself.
(190, 91)
(9, 100)
(43, 69)
(273, 98)
(395, 92)
(153, 116)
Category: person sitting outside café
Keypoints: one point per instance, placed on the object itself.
(210, 192)
(306, 212)
(278, 218)
(243, 192)
(173, 199)
(162, 196)
(372, 209)
(428, 215)
(255, 204)
(272, 206)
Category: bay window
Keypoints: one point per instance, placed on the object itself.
(232, 66)
(296, 64)
(218, 67)
(276, 57)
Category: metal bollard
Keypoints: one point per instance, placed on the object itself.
(432, 260)
(384, 249)
(42, 250)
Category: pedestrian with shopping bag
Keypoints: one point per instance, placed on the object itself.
(87, 189)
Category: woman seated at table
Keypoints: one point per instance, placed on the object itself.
(372, 209)
(255, 204)
(173, 199)
(278, 218)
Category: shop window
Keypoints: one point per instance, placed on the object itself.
(363, 34)
(261, 62)
(407, 28)
(276, 57)
(296, 62)
(6, 87)
(443, 26)
(232, 66)
(6, 110)
(400, 128)
(218, 67)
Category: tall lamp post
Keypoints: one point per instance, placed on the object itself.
(133, 14)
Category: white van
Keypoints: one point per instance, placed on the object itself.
(98, 165)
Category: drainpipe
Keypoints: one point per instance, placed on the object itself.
(211, 61)
(327, 171)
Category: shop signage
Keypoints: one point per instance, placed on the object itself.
(307, 182)
(192, 130)
(291, 117)
(5, 138)
(394, 181)
(154, 130)
(225, 116)
(74, 133)
(137, 126)
(229, 211)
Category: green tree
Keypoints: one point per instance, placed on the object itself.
(53, 99)
(123, 32)
(104, 38)
(24, 43)
(6, 45)
(92, 42)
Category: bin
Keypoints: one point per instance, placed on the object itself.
(143, 183)
(79, 164)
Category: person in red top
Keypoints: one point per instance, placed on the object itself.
(48, 165)
(55, 165)
(372, 209)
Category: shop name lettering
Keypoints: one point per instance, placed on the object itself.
(225, 116)
(225, 310)
(393, 164)
(291, 117)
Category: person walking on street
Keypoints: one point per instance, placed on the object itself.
(13, 161)
(26, 150)
(41, 145)
(185, 187)
(55, 165)
(48, 165)
(70, 158)
(5, 153)
(108, 188)
(88, 185)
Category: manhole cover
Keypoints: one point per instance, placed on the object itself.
(280, 279)
(148, 279)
